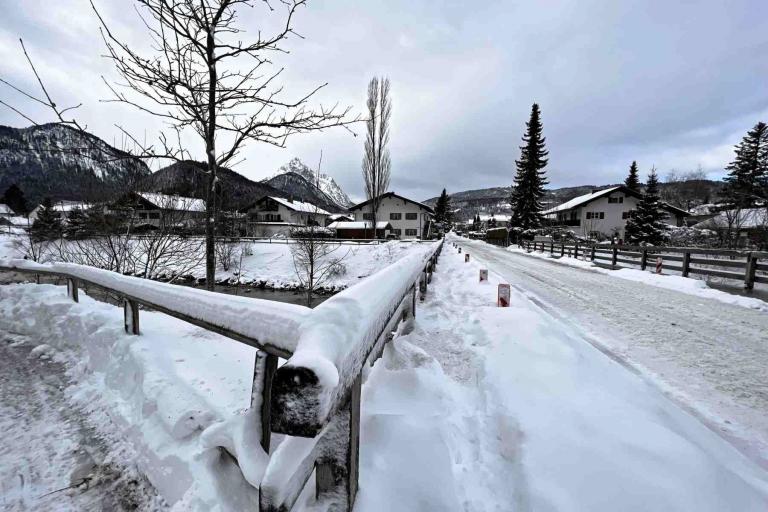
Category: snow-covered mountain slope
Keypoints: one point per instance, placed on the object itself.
(62, 162)
(323, 181)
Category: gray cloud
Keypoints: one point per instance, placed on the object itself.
(669, 84)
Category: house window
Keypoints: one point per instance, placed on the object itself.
(397, 232)
(616, 199)
(154, 215)
(367, 216)
(411, 216)
(595, 215)
(624, 215)
(395, 216)
(410, 232)
(602, 215)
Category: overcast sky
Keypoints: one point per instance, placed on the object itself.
(668, 83)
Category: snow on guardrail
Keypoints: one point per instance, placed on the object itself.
(270, 323)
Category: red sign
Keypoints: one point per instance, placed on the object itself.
(483, 274)
(658, 265)
(503, 297)
(466, 258)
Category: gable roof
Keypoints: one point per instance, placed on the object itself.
(597, 194)
(392, 194)
(298, 206)
(746, 218)
(5, 209)
(178, 203)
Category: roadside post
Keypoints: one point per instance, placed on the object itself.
(459, 250)
(483, 274)
(466, 258)
(502, 299)
(659, 263)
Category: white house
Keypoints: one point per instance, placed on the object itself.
(5, 211)
(152, 210)
(275, 215)
(495, 221)
(604, 213)
(63, 209)
(409, 219)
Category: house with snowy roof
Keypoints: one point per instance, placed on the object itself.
(747, 226)
(272, 215)
(153, 209)
(63, 209)
(409, 219)
(5, 211)
(604, 213)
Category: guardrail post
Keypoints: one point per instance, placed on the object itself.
(264, 368)
(614, 256)
(644, 259)
(686, 263)
(72, 289)
(336, 470)
(749, 274)
(131, 316)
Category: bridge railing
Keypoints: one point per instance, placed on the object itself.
(315, 396)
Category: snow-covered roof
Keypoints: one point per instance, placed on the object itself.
(5, 209)
(179, 203)
(299, 206)
(578, 201)
(498, 218)
(744, 219)
(361, 224)
(392, 194)
(337, 216)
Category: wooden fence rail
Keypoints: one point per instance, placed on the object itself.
(740, 265)
(287, 397)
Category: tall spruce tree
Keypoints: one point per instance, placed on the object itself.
(747, 179)
(633, 181)
(15, 200)
(47, 225)
(530, 178)
(645, 224)
(441, 207)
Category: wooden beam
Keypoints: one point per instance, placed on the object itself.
(264, 368)
(72, 289)
(131, 316)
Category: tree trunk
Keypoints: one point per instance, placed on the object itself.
(210, 150)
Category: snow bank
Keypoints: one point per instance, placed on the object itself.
(269, 322)
(687, 285)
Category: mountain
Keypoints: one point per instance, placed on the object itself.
(61, 162)
(189, 178)
(324, 182)
(295, 186)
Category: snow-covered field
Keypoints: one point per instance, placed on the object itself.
(271, 265)
(479, 408)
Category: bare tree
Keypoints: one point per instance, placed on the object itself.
(376, 161)
(316, 258)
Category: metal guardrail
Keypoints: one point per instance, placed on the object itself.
(286, 396)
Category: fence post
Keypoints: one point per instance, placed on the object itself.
(576, 251)
(749, 274)
(686, 263)
(551, 247)
(336, 470)
(644, 259)
(264, 368)
(615, 255)
(562, 250)
(131, 316)
(422, 286)
(72, 290)
(592, 254)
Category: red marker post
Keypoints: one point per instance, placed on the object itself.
(459, 250)
(659, 263)
(466, 258)
(502, 300)
(483, 274)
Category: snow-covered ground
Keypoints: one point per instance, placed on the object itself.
(478, 408)
(271, 265)
(702, 346)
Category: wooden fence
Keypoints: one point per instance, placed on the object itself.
(283, 395)
(748, 266)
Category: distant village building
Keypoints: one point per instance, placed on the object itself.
(361, 229)
(152, 210)
(339, 217)
(494, 221)
(270, 216)
(5, 211)
(62, 209)
(604, 213)
(746, 226)
(409, 219)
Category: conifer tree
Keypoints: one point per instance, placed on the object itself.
(78, 224)
(47, 225)
(747, 178)
(441, 207)
(645, 224)
(530, 178)
(632, 181)
(15, 200)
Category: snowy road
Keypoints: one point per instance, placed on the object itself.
(709, 355)
(50, 458)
